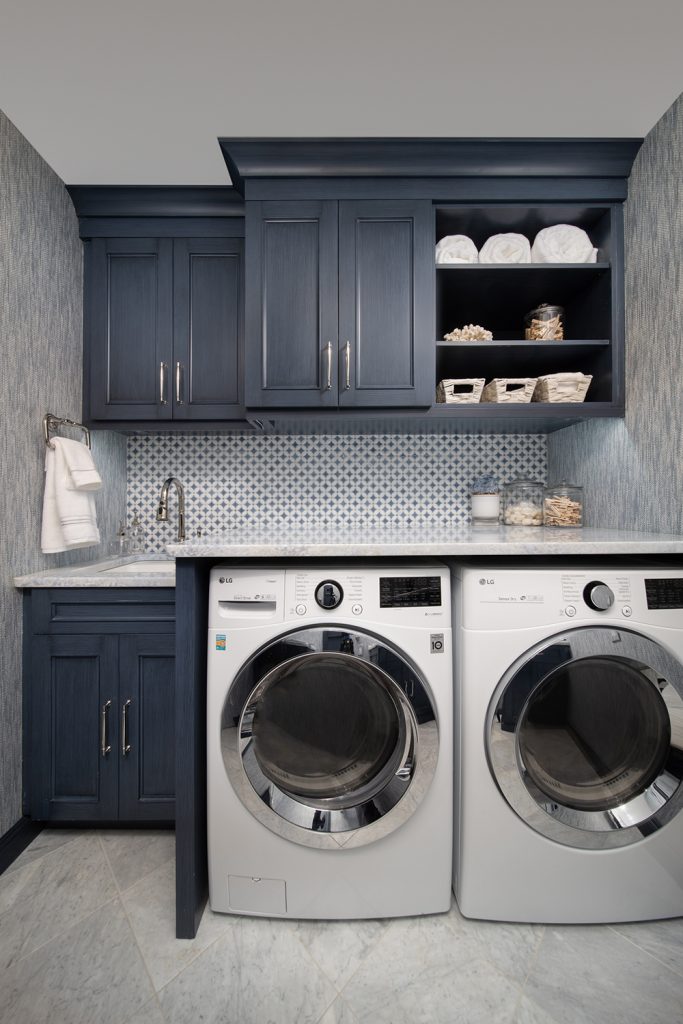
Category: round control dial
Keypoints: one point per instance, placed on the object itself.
(329, 594)
(598, 596)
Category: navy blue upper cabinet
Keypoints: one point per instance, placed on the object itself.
(339, 304)
(163, 329)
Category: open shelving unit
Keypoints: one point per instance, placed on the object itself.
(498, 296)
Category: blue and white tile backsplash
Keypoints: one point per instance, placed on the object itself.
(267, 483)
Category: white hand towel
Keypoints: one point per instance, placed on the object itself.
(80, 464)
(563, 243)
(505, 248)
(69, 518)
(456, 249)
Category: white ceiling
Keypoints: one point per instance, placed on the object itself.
(137, 91)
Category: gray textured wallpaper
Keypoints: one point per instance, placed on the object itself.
(632, 470)
(41, 297)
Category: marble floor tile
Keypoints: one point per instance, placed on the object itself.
(150, 906)
(661, 939)
(91, 974)
(594, 975)
(423, 971)
(257, 973)
(47, 896)
(45, 842)
(509, 947)
(527, 1012)
(149, 1014)
(338, 1013)
(339, 947)
(134, 853)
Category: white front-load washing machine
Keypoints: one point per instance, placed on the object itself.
(330, 741)
(569, 703)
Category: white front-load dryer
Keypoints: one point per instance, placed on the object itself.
(330, 743)
(569, 745)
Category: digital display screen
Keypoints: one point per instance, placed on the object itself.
(663, 594)
(409, 591)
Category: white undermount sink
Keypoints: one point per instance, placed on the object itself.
(143, 567)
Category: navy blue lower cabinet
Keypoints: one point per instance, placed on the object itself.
(73, 757)
(147, 728)
(100, 706)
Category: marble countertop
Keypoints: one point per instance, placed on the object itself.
(151, 570)
(465, 542)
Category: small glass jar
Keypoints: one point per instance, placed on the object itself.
(545, 323)
(485, 501)
(523, 503)
(563, 505)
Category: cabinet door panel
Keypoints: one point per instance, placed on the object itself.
(291, 304)
(147, 768)
(74, 678)
(208, 328)
(385, 303)
(129, 328)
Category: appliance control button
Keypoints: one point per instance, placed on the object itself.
(570, 610)
(627, 611)
(598, 596)
(300, 609)
(329, 594)
(357, 609)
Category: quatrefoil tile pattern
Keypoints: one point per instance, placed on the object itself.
(265, 483)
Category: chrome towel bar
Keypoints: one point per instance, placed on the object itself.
(50, 422)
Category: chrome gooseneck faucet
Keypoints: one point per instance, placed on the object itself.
(162, 511)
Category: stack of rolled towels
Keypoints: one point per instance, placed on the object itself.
(560, 243)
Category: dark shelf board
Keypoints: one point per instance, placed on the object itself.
(518, 267)
(521, 343)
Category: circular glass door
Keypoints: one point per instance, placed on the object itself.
(324, 732)
(585, 737)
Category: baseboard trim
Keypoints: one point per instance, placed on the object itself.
(16, 839)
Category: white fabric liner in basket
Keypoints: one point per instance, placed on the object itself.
(562, 387)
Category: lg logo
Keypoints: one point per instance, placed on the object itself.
(225, 579)
(483, 582)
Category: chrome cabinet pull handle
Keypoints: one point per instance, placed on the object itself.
(162, 384)
(178, 399)
(328, 353)
(347, 361)
(125, 745)
(104, 729)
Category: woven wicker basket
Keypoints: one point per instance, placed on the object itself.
(562, 387)
(509, 389)
(465, 389)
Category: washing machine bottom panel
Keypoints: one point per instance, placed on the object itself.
(406, 873)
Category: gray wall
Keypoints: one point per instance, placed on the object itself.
(41, 296)
(632, 470)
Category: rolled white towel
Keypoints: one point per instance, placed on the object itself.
(506, 248)
(456, 249)
(563, 243)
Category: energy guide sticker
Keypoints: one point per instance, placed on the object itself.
(221, 641)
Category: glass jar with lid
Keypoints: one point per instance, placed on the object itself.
(563, 505)
(523, 503)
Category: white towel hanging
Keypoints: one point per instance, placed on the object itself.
(69, 517)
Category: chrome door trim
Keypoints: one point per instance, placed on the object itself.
(620, 826)
(325, 824)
